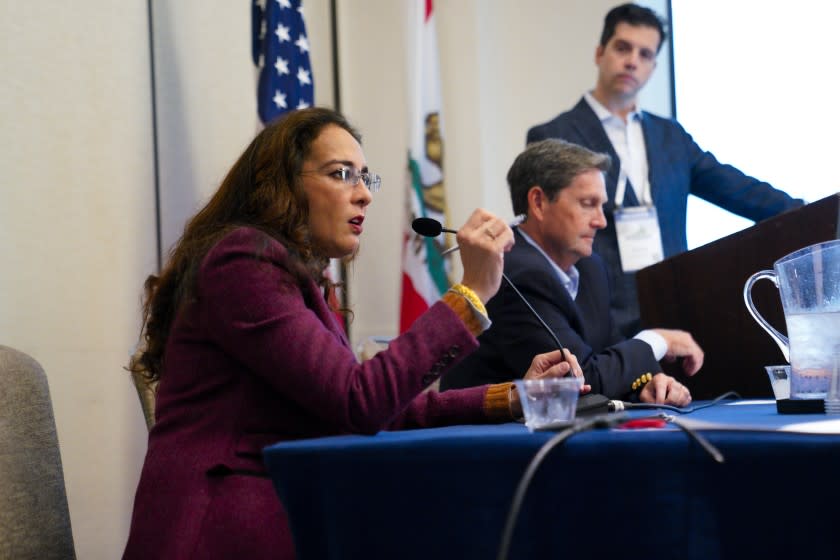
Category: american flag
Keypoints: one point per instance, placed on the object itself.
(280, 50)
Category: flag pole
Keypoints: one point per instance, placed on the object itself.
(155, 148)
(336, 72)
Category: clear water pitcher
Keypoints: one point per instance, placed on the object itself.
(808, 281)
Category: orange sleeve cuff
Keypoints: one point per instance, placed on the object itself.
(497, 402)
(462, 309)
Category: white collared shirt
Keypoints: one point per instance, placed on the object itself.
(628, 140)
(571, 281)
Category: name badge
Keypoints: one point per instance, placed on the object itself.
(639, 239)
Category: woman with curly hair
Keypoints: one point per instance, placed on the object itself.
(247, 352)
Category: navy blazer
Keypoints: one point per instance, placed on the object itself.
(584, 325)
(677, 167)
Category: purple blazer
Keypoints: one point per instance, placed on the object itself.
(256, 359)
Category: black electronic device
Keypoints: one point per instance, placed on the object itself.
(800, 406)
(593, 403)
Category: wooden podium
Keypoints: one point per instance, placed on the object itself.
(701, 291)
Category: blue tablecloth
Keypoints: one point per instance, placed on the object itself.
(653, 493)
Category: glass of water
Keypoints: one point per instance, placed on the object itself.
(548, 401)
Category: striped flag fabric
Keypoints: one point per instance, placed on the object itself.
(280, 49)
(424, 270)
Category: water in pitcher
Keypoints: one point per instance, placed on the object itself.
(814, 352)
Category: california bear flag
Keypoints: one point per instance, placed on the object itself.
(424, 271)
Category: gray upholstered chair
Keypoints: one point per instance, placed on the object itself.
(34, 518)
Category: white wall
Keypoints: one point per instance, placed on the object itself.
(206, 103)
(77, 227)
(77, 235)
(746, 119)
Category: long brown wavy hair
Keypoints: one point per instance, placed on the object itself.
(262, 190)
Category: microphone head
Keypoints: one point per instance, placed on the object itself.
(427, 227)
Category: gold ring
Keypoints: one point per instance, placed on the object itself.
(490, 233)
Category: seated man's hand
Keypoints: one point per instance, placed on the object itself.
(550, 365)
(664, 389)
(682, 345)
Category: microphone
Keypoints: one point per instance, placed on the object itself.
(429, 227)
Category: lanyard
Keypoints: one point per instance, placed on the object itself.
(644, 197)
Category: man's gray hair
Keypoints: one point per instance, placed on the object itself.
(551, 165)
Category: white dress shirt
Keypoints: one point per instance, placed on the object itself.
(628, 140)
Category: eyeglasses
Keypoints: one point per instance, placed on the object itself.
(351, 176)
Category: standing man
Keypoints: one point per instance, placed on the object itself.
(560, 189)
(657, 163)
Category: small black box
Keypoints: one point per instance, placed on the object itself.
(800, 406)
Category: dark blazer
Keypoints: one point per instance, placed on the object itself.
(259, 358)
(677, 167)
(584, 325)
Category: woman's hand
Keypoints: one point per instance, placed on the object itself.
(549, 365)
(483, 240)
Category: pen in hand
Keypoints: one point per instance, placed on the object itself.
(513, 223)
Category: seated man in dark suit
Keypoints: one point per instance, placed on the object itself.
(560, 188)
(656, 163)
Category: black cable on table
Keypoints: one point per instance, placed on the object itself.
(603, 421)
